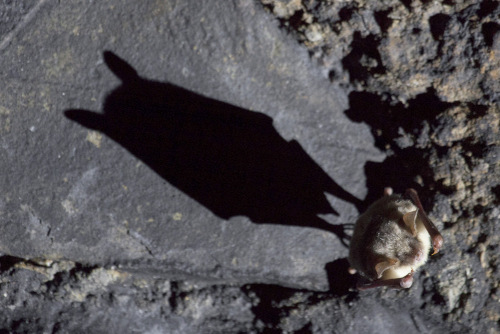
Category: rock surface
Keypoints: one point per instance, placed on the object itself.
(237, 190)
(201, 175)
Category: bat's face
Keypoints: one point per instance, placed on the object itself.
(395, 250)
(391, 240)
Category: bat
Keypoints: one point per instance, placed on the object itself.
(391, 240)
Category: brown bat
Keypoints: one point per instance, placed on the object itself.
(391, 240)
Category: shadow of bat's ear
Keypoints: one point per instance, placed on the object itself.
(120, 67)
(86, 118)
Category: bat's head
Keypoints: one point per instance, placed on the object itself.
(391, 240)
(394, 252)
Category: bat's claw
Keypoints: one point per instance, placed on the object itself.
(437, 243)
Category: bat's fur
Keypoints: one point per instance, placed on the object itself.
(381, 236)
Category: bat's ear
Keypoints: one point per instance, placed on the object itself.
(385, 264)
(86, 118)
(120, 67)
(410, 220)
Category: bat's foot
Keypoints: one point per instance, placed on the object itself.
(437, 242)
(388, 191)
(407, 281)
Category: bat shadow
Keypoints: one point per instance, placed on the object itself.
(407, 162)
(230, 160)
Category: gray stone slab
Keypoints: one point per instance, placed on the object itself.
(73, 192)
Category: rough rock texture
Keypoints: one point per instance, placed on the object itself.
(401, 49)
(425, 79)
(201, 177)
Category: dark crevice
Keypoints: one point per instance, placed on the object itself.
(332, 75)
(478, 209)
(73, 275)
(489, 30)
(292, 23)
(476, 110)
(477, 149)
(438, 25)
(437, 299)
(363, 50)
(345, 13)
(7, 262)
(295, 21)
(383, 20)
(172, 300)
(496, 191)
(407, 4)
(482, 238)
(487, 7)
